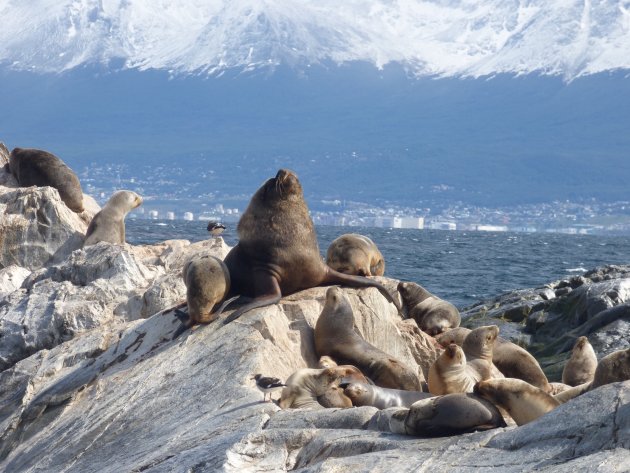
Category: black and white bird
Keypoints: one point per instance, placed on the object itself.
(267, 384)
(215, 228)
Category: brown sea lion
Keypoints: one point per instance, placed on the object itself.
(509, 358)
(612, 368)
(335, 396)
(207, 282)
(355, 254)
(335, 336)
(432, 314)
(109, 223)
(520, 399)
(582, 364)
(450, 414)
(572, 391)
(363, 394)
(277, 253)
(34, 167)
(451, 374)
(479, 345)
(306, 385)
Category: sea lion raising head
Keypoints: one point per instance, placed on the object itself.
(432, 314)
(109, 223)
(277, 253)
(581, 366)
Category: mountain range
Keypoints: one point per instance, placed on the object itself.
(492, 102)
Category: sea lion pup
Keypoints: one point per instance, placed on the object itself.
(335, 336)
(335, 396)
(511, 360)
(363, 394)
(479, 345)
(432, 314)
(307, 384)
(581, 366)
(207, 282)
(34, 167)
(612, 368)
(277, 253)
(520, 399)
(451, 414)
(355, 254)
(109, 223)
(451, 374)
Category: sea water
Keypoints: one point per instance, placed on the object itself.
(461, 267)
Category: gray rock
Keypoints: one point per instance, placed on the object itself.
(11, 278)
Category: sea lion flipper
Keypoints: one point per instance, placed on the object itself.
(270, 294)
(223, 305)
(182, 328)
(181, 315)
(335, 277)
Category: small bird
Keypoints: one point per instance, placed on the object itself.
(267, 384)
(215, 228)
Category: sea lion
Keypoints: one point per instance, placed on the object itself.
(307, 384)
(335, 396)
(355, 254)
(432, 314)
(582, 364)
(450, 414)
(510, 359)
(612, 368)
(335, 336)
(35, 167)
(207, 282)
(571, 392)
(451, 374)
(277, 253)
(363, 394)
(479, 345)
(520, 399)
(109, 223)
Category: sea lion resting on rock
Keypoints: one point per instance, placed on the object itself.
(335, 336)
(355, 254)
(510, 359)
(432, 314)
(479, 345)
(207, 282)
(451, 374)
(581, 366)
(520, 399)
(277, 253)
(451, 414)
(362, 394)
(612, 368)
(109, 223)
(34, 167)
(305, 386)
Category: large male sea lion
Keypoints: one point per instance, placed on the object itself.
(109, 223)
(277, 252)
(355, 254)
(451, 374)
(363, 394)
(581, 366)
(335, 337)
(450, 414)
(432, 314)
(34, 167)
(612, 368)
(520, 399)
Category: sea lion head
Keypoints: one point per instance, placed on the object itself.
(326, 362)
(479, 343)
(491, 392)
(454, 335)
(124, 200)
(355, 391)
(580, 343)
(412, 293)
(284, 186)
(337, 302)
(454, 355)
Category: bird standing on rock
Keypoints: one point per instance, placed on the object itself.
(267, 384)
(215, 228)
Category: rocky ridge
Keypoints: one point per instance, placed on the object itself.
(91, 381)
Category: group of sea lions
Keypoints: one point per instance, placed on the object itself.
(477, 379)
(35, 167)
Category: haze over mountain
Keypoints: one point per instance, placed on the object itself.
(492, 102)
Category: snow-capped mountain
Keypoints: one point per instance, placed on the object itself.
(440, 37)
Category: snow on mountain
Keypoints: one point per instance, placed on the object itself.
(439, 37)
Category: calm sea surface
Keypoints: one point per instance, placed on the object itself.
(461, 267)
